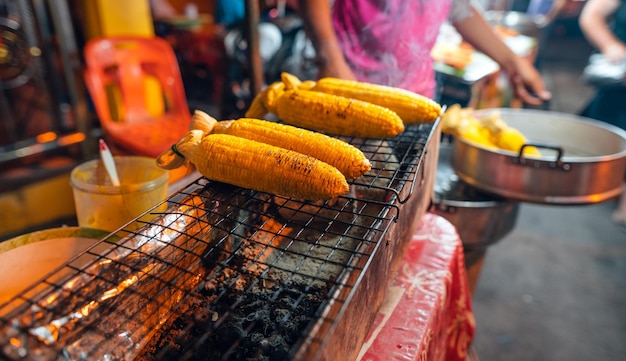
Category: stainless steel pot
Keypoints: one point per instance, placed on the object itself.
(583, 161)
(480, 218)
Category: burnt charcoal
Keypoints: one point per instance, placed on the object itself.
(231, 211)
(245, 309)
(263, 325)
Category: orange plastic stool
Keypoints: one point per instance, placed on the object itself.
(138, 93)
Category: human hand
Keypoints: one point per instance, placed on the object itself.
(615, 53)
(335, 69)
(526, 82)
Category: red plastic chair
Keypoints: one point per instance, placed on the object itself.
(138, 93)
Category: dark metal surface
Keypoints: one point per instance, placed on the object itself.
(41, 89)
(207, 276)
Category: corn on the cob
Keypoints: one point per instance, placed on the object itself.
(170, 160)
(265, 101)
(256, 109)
(271, 95)
(263, 167)
(490, 131)
(291, 81)
(504, 136)
(512, 139)
(307, 85)
(413, 108)
(202, 121)
(348, 159)
(337, 115)
(474, 133)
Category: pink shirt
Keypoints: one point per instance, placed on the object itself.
(388, 42)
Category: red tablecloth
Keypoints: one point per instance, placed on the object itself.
(427, 313)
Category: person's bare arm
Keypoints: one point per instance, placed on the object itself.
(555, 10)
(316, 15)
(525, 79)
(593, 23)
(551, 15)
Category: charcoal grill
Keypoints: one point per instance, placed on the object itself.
(234, 274)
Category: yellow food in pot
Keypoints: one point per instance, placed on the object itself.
(490, 132)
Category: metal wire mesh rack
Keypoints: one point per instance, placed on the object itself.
(224, 274)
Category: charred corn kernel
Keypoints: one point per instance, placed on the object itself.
(271, 94)
(337, 115)
(348, 159)
(263, 167)
(413, 108)
(256, 109)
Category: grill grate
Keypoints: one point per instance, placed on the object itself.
(225, 273)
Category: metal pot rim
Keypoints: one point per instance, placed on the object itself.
(565, 116)
(546, 159)
(471, 204)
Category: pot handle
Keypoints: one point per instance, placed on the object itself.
(521, 159)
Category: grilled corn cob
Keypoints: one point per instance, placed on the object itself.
(263, 167)
(256, 109)
(291, 81)
(337, 115)
(265, 101)
(307, 85)
(170, 159)
(411, 107)
(348, 159)
(202, 121)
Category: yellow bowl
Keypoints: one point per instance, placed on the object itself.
(26, 259)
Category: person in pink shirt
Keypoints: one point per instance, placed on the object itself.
(389, 42)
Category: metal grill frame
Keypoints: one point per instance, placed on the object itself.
(161, 266)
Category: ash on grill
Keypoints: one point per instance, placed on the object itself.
(225, 273)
